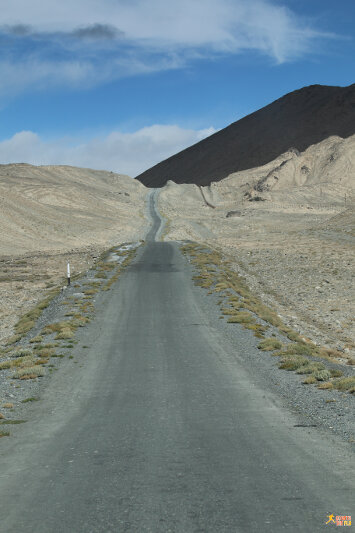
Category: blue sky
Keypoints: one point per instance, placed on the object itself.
(123, 84)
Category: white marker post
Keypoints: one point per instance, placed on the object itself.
(68, 273)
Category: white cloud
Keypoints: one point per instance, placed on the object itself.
(220, 24)
(98, 40)
(126, 153)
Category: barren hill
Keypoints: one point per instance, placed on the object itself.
(324, 174)
(59, 207)
(297, 120)
(295, 245)
(49, 215)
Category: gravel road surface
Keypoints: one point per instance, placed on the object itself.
(162, 428)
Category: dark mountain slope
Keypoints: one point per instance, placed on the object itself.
(297, 120)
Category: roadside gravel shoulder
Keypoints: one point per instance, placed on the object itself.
(56, 341)
(330, 411)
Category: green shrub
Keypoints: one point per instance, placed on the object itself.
(322, 375)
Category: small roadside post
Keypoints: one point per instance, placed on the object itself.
(68, 273)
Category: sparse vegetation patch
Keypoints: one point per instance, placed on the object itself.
(12, 422)
(30, 372)
(242, 307)
(28, 321)
(270, 344)
(33, 361)
(32, 399)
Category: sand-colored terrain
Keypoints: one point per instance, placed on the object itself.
(287, 226)
(52, 214)
(289, 229)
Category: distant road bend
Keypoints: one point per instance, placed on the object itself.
(163, 429)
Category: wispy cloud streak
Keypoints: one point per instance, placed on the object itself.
(151, 35)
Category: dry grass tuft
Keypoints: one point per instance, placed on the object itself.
(106, 266)
(227, 311)
(54, 328)
(297, 348)
(293, 362)
(325, 386)
(42, 361)
(26, 323)
(310, 380)
(31, 372)
(86, 307)
(31, 399)
(79, 321)
(37, 339)
(18, 362)
(46, 346)
(101, 275)
(13, 339)
(22, 362)
(290, 333)
(45, 352)
(267, 345)
(258, 329)
(221, 286)
(22, 352)
(13, 422)
(336, 373)
(344, 384)
(242, 317)
(204, 280)
(64, 330)
(65, 333)
(310, 368)
(5, 365)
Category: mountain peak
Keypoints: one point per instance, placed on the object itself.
(298, 119)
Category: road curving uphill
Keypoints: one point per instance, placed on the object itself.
(162, 426)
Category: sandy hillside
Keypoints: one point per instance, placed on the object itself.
(289, 227)
(56, 207)
(322, 175)
(54, 213)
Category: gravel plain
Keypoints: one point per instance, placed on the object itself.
(331, 411)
